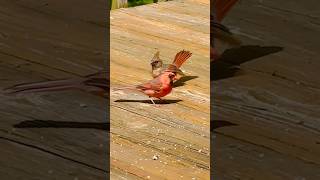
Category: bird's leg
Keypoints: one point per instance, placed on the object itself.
(157, 105)
(152, 101)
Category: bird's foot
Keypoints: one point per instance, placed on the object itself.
(154, 104)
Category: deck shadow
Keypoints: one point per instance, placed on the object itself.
(228, 64)
(62, 124)
(164, 101)
(215, 124)
(182, 80)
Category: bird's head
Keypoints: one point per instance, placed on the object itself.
(156, 62)
(172, 77)
(173, 70)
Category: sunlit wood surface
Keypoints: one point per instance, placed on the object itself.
(177, 132)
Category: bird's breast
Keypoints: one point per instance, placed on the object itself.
(165, 90)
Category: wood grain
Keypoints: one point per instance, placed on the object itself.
(177, 131)
(270, 108)
(46, 40)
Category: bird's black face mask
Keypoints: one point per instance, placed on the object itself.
(156, 64)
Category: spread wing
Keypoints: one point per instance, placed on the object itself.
(173, 68)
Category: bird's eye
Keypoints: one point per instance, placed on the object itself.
(171, 75)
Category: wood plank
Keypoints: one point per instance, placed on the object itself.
(272, 104)
(45, 40)
(177, 132)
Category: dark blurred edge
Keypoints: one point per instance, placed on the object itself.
(212, 12)
(106, 37)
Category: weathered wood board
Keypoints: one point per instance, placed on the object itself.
(43, 40)
(267, 117)
(178, 131)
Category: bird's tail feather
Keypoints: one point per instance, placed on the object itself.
(181, 57)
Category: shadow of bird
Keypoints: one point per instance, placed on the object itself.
(163, 101)
(228, 64)
(62, 124)
(215, 124)
(182, 80)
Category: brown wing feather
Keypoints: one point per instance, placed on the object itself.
(153, 84)
(181, 57)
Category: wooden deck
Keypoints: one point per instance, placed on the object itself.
(63, 134)
(177, 132)
(41, 41)
(267, 118)
(266, 115)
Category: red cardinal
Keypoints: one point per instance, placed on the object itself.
(164, 75)
(221, 8)
(157, 87)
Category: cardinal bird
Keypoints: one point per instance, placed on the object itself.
(221, 8)
(158, 67)
(97, 84)
(157, 87)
